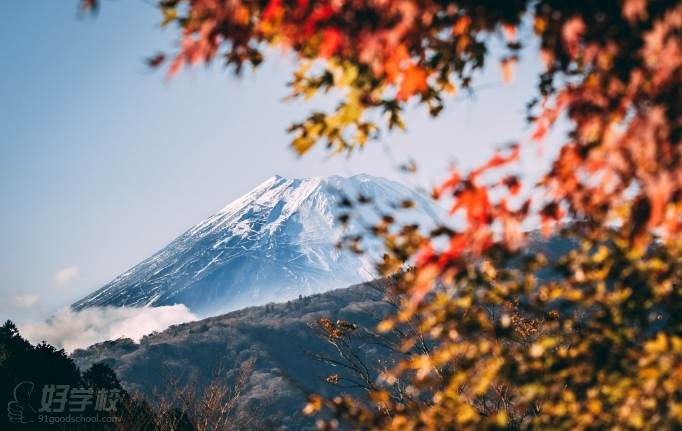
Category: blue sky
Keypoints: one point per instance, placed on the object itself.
(103, 162)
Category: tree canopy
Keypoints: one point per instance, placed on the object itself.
(586, 338)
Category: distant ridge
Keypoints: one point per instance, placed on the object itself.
(279, 336)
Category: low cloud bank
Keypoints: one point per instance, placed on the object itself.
(71, 329)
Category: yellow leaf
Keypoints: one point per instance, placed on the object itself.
(601, 254)
(465, 413)
(501, 418)
(314, 404)
(636, 420)
(594, 406)
(302, 145)
(540, 25)
(385, 325)
(169, 15)
(659, 345)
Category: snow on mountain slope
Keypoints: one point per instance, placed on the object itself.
(272, 244)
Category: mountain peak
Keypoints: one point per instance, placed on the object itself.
(276, 242)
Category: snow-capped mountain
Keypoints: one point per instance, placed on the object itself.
(272, 244)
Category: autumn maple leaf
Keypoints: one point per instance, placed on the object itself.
(414, 81)
(331, 40)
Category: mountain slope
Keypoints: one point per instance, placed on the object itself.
(278, 336)
(274, 243)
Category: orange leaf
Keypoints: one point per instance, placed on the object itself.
(496, 161)
(241, 15)
(331, 40)
(175, 66)
(461, 26)
(634, 10)
(548, 115)
(425, 254)
(508, 69)
(414, 81)
(393, 64)
(426, 277)
(550, 214)
(318, 15)
(659, 191)
(512, 183)
(457, 245)
(475, 202)
(571, 33)
(509, 32)
(449, 184)
(541, 130)
(272, 10)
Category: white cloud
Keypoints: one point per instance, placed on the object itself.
(77, 329)
(25, 300)
(66, 275)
